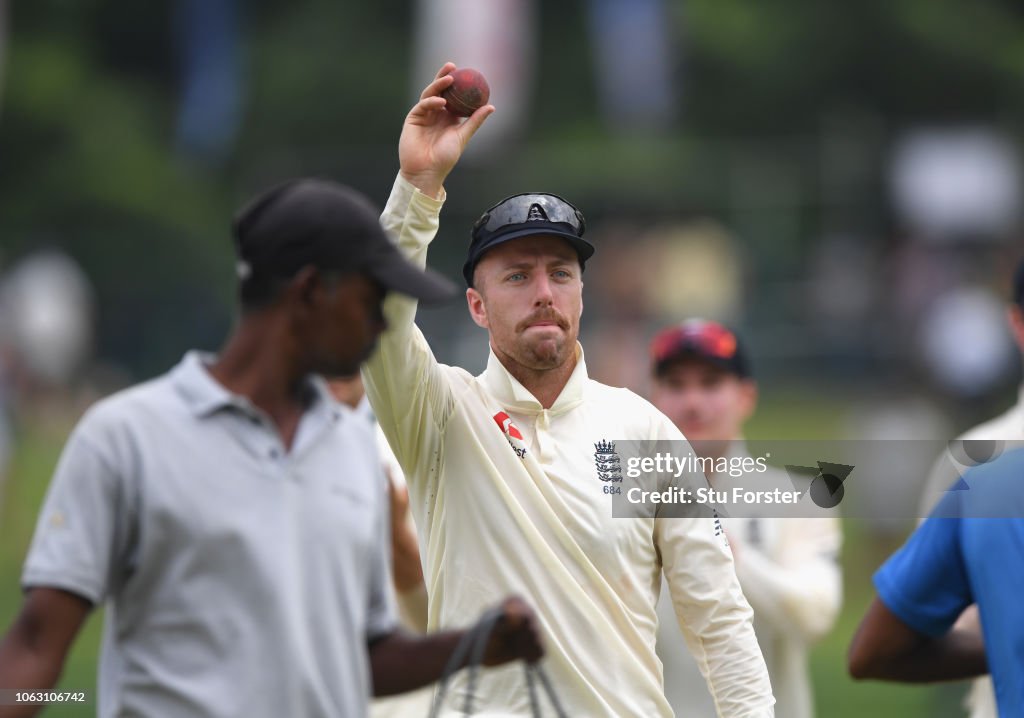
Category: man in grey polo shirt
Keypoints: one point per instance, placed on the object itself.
(231, 512)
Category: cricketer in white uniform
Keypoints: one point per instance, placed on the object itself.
(501, 466)
(787, 565)
(1007, 427)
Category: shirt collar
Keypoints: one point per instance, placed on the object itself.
(513, 395)
(204, 395)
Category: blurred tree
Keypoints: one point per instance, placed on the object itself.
(87, 126)
(771, 67)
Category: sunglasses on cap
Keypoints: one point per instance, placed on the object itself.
(531, 207)
(702, 339)
(524, 215)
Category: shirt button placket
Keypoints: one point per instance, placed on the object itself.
(543, 424)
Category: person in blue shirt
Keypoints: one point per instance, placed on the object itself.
(969, 550)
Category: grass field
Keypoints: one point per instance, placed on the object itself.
(837, 696)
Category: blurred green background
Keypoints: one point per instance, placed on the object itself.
(779, 121)
(761, 181)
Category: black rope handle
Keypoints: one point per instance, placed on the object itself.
(535, 670)
(483, 633)
(454, 661)
(474, 643)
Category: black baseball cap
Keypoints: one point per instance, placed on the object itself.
(525, 215)
(699, 339)
(332, 227)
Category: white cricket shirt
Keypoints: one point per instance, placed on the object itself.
(507, 499)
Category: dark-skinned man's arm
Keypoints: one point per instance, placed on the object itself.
(33, 650)
(885, 648)
(401, 662)
(909, 633)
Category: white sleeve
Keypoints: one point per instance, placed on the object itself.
(799, 590)
(408, 389)
(714, 616)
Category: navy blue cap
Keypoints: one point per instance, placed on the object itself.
(526, 215)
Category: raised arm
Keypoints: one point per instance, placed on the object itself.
(433, 139)
(407, 389)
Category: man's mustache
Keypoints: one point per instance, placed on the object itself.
(544, 315)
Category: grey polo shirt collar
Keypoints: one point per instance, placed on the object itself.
(205, 397)
(203, 394)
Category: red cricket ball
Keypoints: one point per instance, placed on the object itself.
(468, 93)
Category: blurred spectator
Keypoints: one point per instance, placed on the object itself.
(788, 567)
(942, 319)
(618, 289)
(903, 431)
(843, 283)
(699, 266)
(915, 275)
(948, 184)
(645, 276)
(212, 82)
(964, 344)
(498, 38)
(633, 50)
(633, 46)
(47, 307)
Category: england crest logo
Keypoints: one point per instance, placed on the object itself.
(609, 467)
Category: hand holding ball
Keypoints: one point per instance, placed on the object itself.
(467, 93)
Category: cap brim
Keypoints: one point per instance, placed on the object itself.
(396, 273)
(583, 248)
(734, 366)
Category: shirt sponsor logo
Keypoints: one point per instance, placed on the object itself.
(512, 433)
(606, 460)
